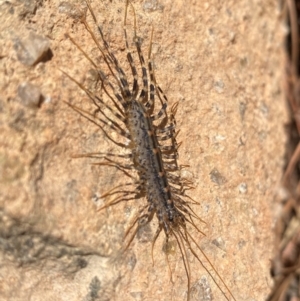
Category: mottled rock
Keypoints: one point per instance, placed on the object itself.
(54, 245)
(32, 49)
(29, 7)
(30, 95)
(70, 9)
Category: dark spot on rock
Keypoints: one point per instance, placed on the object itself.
(30, 95)
(216, 177)
(144, 233)
(82, 263)
(94, 287)
(70, 9)
(32, 49)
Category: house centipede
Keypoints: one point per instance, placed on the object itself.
(132, 115)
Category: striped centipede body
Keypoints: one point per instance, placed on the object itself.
(151, 145)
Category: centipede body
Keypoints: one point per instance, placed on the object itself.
(151, 145)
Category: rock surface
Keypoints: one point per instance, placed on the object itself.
(223, 62)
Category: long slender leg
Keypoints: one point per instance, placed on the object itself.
(102, 78)
(110, 59)
(188, 236)
(129, 56)
(143, 97)
(184, 259)
(153, 242)
(87, 116)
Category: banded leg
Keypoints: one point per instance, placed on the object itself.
(143, 97)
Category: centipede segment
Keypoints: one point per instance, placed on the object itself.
(152, 150)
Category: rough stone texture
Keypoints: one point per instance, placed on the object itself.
(32, 49)
(222, 62)
(30, 95)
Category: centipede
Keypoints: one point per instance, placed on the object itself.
(134, 107)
